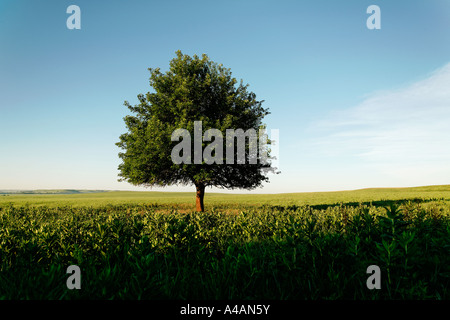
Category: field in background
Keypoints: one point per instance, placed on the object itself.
(186, 200)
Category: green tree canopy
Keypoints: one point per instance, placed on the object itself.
(194, 89)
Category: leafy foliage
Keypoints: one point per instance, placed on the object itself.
(269, 252)
(194, 89)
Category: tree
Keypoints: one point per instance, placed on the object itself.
(194, 89)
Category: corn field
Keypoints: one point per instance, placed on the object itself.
(265, 252)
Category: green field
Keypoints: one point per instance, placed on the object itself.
(187, 200)
(152, 245)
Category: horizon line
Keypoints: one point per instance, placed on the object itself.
(9, 191)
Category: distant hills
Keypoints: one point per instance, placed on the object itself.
(61, 191)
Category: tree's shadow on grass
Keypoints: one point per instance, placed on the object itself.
(353, 204)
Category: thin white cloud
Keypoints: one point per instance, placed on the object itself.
(402, 133)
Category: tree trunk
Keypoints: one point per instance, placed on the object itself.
(199, 197)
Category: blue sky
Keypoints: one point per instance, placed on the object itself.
(355, 107)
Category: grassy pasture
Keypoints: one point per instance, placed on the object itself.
(187, 200)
